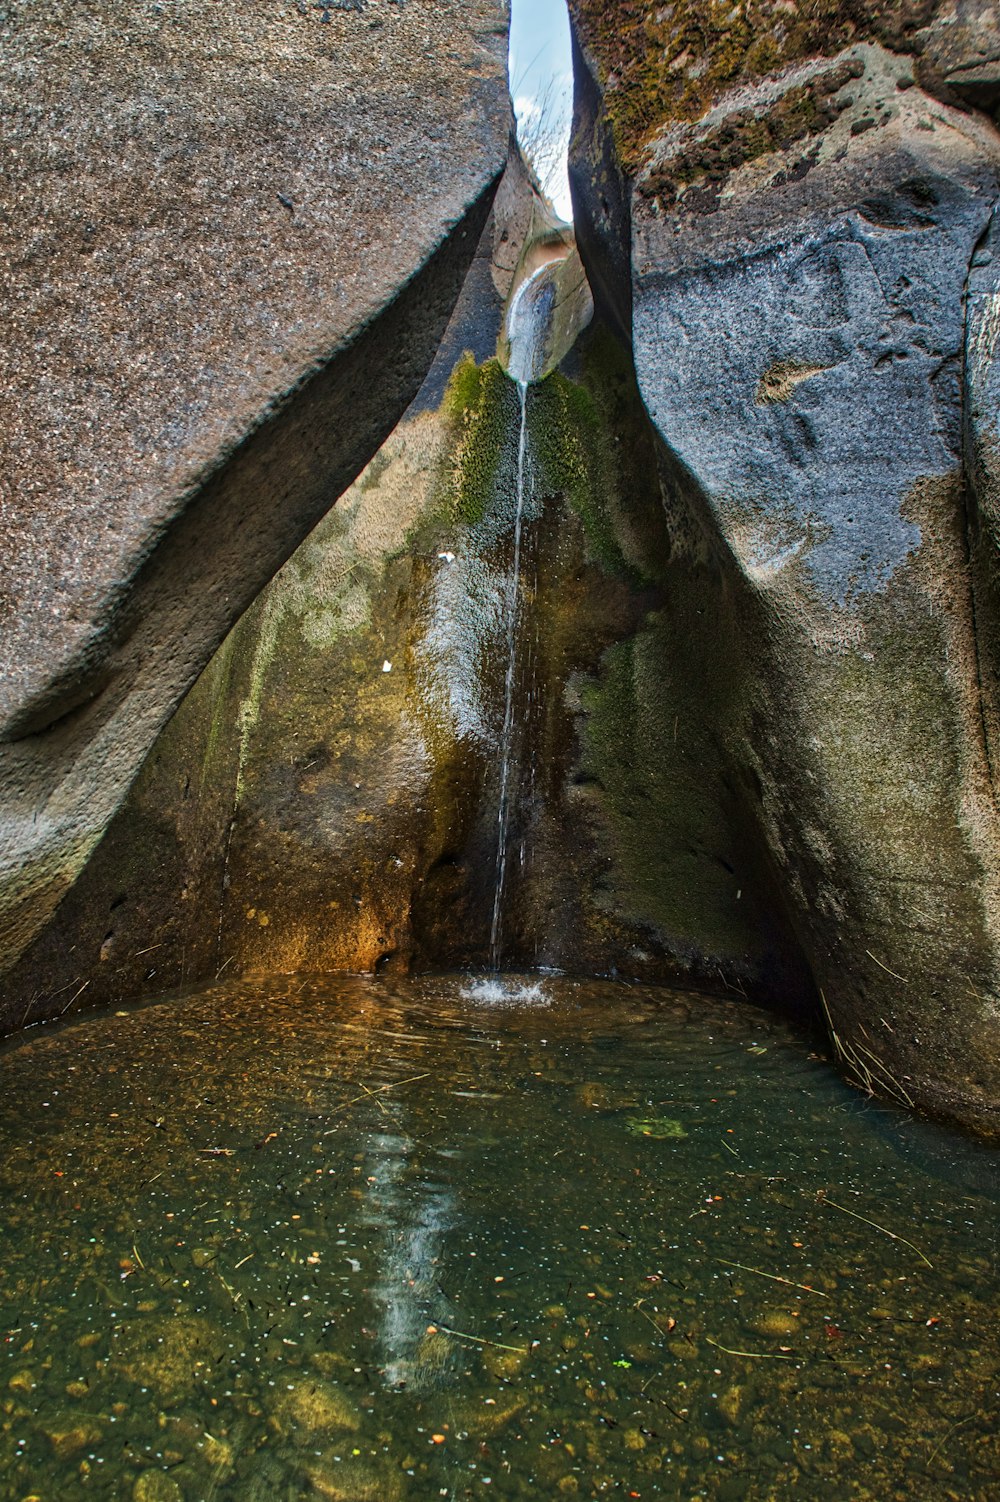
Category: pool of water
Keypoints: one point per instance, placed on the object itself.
(386, 1240)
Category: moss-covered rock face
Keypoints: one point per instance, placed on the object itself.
(806, 206)
(662, 64)
(327, 795)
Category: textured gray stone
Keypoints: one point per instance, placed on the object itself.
(799, 335)
(233, 236)
(962, 45)
(800, 347)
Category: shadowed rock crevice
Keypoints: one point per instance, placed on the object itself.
(326, 796)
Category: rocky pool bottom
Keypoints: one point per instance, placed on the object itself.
(380, 1240)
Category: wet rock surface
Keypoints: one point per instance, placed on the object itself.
(170, 1356)
(326, 798)
(234, 238)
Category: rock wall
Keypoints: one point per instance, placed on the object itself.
(804, 197)
(758, 693)
(326, 796)
(233, 239)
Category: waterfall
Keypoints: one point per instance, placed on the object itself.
(527, 329)
(507, 735)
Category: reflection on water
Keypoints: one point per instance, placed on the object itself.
(405, 1219)
(375, 1240)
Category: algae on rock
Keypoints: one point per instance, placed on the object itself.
(325, 798)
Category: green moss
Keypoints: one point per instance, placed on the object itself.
(744, 136)
(626, 725)
(682, 862)
(658, 1128)
(569, 443)
(463, 392)
(478, 401)
(216, 685)
(591, 445)
(885, 711)
(663, 63)
(585, 437)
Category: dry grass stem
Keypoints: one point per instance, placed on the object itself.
(849, 1056)
(886, 968)
(774, 1278)
(894, 1235)
(393, 1085)
(942, 1442)
(750, 1355)
(482, 1340)
(74, 997)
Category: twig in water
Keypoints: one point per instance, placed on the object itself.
(874, 1223)
(750, 1355)
(942, 1442)
(237, 1299)
(729, 1148)
(481, 1340)
(135, 1253)
(373, 1096)
(886, 968)
(31, 1002)
(51, 997)
(848, 1056)
(805, 1287)
(889, 1079)
(74, 997)
(681, 1417)
(640, 1310)
(838, 1050)
(393, 1085)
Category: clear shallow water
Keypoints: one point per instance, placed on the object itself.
(386, 1240)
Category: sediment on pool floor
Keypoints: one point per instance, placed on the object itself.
(542, 1244)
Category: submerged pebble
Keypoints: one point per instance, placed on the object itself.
(659, 1128)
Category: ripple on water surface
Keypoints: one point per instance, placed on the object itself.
(374, 1240)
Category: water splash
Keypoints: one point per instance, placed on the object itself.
(491, 991)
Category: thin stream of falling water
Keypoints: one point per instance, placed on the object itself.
(507, 736)
(528, 322)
